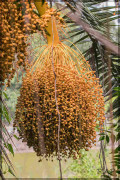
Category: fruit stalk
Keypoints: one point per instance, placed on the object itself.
(42, 7)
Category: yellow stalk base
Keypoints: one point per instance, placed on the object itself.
(50, 37)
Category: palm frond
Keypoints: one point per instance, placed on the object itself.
(5, 138)
(97, 18)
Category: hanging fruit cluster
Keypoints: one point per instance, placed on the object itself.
(79, 98)
(17, 21)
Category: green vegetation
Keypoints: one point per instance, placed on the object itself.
(27, 166)
(12, 94)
